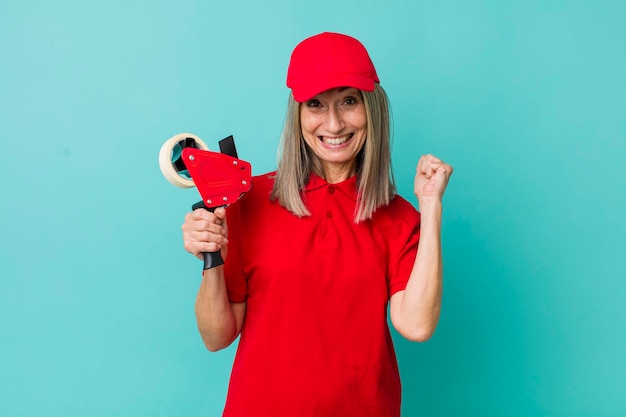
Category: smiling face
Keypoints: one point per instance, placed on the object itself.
(334, 125)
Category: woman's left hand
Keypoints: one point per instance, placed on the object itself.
(431, 178)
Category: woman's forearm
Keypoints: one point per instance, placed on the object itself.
(415, 312)
(219, 321)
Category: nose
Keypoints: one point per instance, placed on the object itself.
(334, 120)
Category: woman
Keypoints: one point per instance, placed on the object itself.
(316, 252)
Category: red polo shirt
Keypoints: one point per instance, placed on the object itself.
(315, 340)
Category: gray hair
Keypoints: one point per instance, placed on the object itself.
(375, 182)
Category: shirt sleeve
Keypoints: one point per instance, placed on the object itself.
(405, 233)
(236, 283)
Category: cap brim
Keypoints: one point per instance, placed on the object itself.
(309, 89)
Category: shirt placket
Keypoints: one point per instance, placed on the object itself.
(329, 216)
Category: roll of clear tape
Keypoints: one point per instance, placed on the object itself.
(170, 161)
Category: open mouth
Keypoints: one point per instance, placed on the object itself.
(335, 141)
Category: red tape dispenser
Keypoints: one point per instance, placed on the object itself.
(220, 177)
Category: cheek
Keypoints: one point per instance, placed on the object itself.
(358, 119)
(307, 123)
(361, 126)
(306, 131)
(309, 139)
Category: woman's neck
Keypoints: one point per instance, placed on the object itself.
(336, 173)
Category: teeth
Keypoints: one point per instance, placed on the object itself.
(335, 141)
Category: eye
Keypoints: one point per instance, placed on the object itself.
(313, 103)
(349, 103)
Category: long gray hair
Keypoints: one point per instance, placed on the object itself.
(375, 182)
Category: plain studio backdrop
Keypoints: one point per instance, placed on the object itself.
(526, 99)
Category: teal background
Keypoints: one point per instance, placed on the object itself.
(525, 98)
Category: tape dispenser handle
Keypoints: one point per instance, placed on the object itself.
(211, 259)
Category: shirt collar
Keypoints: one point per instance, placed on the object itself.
(348, 187)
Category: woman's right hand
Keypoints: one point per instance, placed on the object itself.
(204, 231)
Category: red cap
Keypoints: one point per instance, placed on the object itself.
(329, 60)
